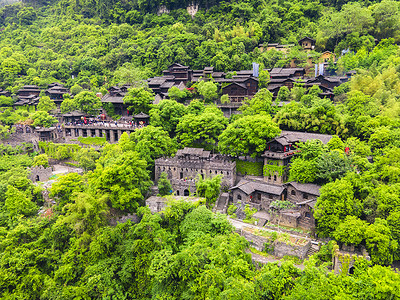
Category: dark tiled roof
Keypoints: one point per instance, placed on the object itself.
(290, 137)
(167, 84)
(307, 38)
(141, 115)
(310, 202)
(309, 188)
(157, 80)
(107, 98)
(235, 83)
(285, 71)
(249, 187)
(199, 152)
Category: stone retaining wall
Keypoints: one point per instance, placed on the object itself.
(281, 249)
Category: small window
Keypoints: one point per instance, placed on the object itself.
(293, 193)
(270, 196)
(239, 197)
(308, 215)
(274, 177)
(305, 196)
(181, 175)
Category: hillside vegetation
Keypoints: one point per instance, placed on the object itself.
(70, 250)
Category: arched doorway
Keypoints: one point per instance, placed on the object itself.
(185, 193)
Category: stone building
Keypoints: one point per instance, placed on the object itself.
(344, 258)
(300, 192)
(257, 194)
(40, 173)
(184, 168)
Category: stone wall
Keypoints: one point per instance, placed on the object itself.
(286, 218)
(343, 260)
(183, 173)
(40, 173)
(255, 241)
(19, 138)
(281, 249)
(295, 196)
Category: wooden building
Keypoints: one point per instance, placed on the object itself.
(281, 150)
(115, 96)
(55, 92)
(28, 95)
(241, 88)
(307, 43)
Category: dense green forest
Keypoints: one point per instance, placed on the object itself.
(72, 252)
(101, 43)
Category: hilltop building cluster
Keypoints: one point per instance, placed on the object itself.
(257, 192)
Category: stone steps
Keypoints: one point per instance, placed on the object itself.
(222, 203)
(311, 251)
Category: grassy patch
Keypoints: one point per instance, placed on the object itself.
(99, 141)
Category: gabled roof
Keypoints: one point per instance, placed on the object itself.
(199, 152)
(107, 98)
(235, 83)
(167, 84)
(306, 38)
(177, 65)
(285, 72)
(141, 115)
(310, 202)
(309, 188)
(249, 187)
(291, 137)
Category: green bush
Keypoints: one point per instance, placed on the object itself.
(232, 209)
(249, 168)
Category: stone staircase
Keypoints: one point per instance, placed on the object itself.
(222, 203)
(313, 249)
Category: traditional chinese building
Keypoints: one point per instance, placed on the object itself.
(307, 43)
(28, 95)
(115, 96)
(281, 150)
(55, 92)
